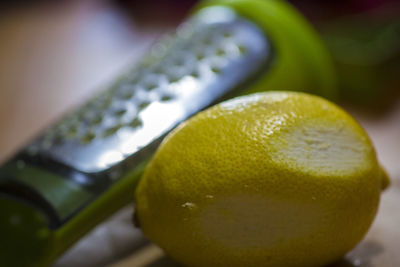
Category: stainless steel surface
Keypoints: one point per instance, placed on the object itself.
(209, 56)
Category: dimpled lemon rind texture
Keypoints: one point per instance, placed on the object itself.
(271, 179)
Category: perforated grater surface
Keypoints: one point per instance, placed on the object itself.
(183, 75)
(209, 57)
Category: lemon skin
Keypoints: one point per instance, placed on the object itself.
(271, 179)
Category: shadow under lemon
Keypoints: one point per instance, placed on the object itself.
(165, 261)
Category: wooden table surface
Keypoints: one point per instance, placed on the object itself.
(54, 57)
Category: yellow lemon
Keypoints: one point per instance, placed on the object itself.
(271, 179)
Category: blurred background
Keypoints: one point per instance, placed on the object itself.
(55, 54)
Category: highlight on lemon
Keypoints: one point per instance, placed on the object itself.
(271, 179)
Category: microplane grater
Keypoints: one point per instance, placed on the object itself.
(211, 56)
